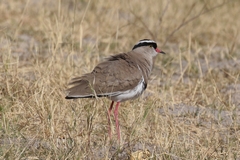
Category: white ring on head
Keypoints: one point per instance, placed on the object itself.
(145, 41)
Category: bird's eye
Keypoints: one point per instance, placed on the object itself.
(150, 46)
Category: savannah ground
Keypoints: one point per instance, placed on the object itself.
(190, 110)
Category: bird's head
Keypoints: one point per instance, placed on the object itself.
(148, 45)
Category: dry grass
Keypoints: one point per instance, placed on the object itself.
(190, 110)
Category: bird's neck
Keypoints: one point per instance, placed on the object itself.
(144, 63)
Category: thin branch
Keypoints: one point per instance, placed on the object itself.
(144, 24)
(202, 12)
(163, 13)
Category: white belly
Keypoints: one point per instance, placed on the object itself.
(129, 94)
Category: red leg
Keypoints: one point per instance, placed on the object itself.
(109, 120)
(116, 120)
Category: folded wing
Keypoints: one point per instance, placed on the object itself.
(118, 74)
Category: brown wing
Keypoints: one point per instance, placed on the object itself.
(118, 73)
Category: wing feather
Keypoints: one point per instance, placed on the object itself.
(119, 73)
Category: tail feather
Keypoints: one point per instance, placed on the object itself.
(81, 89)
(67, 97)
(89, 96)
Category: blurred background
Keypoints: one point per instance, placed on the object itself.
(189, 111)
